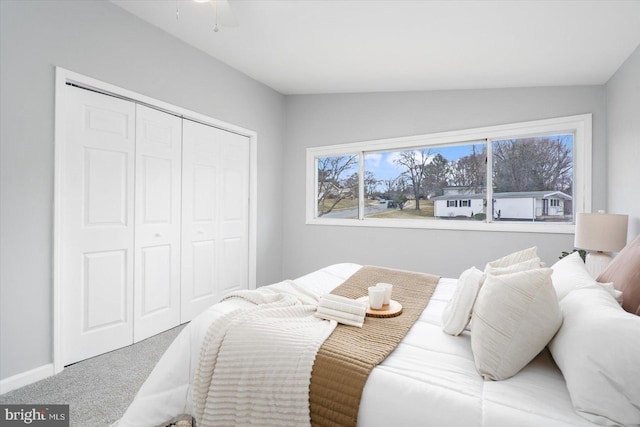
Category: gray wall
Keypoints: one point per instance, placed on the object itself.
(623, 142)
(333, 119)
(100, 40)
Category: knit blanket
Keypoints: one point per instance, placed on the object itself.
(255, 363)
(347, 357)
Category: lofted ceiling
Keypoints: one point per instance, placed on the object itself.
(334, 46)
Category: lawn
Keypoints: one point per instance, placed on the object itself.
(344, 204)
(409, 211)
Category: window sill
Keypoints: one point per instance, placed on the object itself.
(503, 226)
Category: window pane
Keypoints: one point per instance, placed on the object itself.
(533, 179)
(338, 187)
(426, 183)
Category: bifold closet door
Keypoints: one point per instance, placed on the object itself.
(97, 201)
(157, 222)
(215, 216)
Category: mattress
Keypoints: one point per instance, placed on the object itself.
(429, 379)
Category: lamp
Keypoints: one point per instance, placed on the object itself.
(600, 232)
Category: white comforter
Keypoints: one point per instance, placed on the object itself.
(429, 380)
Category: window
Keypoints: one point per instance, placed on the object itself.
(527, 172)
(530, 176)
(337, 181)
(407, 183)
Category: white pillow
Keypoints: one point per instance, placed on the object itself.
(598, 351)
(514, 258)
(514, 317)
(457, 313)
(514, 268)
(610, 287)
(570, 273)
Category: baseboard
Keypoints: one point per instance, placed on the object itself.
(26, 378)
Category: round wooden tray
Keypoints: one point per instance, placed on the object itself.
(393, 309)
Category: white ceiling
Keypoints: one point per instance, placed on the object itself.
(329, 46)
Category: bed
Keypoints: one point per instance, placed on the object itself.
(430, 379)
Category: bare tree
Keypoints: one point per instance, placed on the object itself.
(529, 164)
(435, 175)
(390, 187)
(415, 163)
(333, 182)
(470, 171)
(370, 183)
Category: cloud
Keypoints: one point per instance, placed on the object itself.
(373, 160)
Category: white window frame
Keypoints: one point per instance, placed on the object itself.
(579, 125)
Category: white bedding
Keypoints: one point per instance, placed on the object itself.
(430, 379)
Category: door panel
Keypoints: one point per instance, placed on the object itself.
(97, 243)
(204, 202)
(106, 181)
(104, 290)
(156, 280)
(215, 216)
(157, 222)
(231, 274)
(157, 174)
(203, 268)
(200, 182)
(234, 226)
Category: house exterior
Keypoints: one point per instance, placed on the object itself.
(458, 205)
(531, 205)
(521, 205)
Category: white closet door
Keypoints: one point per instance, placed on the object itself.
(234, 212)
(157, 222)
(97, 191)
(215, 212)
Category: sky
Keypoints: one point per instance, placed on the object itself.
(383, 165)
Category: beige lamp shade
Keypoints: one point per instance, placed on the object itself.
(601, 232)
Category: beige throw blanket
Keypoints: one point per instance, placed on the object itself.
(255, 363)
(346, 358)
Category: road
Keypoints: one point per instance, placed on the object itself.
(353, 213)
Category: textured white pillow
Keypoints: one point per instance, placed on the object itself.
(514, 317)
(514, 258)
(457, 313)
(598, 351)
(514, 268)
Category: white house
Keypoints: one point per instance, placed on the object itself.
(522, 205)
(458, 205)
(532, 205)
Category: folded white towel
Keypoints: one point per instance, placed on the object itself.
(340, 319)
(342, 310)
(342, 314)
(344, 304)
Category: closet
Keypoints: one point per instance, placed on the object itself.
(154, 220)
